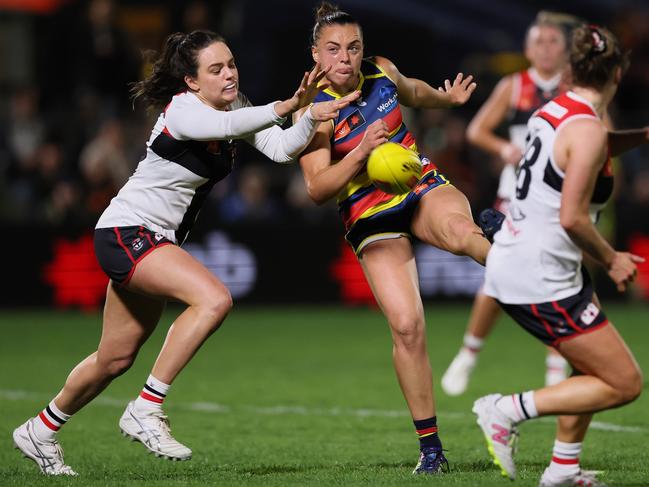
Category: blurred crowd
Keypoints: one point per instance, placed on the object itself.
(70, 136)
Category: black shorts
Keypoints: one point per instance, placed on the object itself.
(119, 249)
(556, 321)
(394, 221)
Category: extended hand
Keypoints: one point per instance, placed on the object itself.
(460, 91)
(328, 110)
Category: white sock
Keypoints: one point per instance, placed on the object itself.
(555, 363)
(518, 407)
(565, 459)
(152, 395)
(472, 343)
(49, 421)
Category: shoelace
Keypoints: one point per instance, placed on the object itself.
(513, 440)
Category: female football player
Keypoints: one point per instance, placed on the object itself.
(138, 237)
(563, 182)
(513, 101)
(379, 225)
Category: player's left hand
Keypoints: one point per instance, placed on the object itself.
(312, 83)
(460, 90)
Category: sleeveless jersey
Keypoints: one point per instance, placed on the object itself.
(379, 100)
(529, 93)
(533, 260)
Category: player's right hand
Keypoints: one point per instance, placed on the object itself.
(623, 269)
(328, 110)
(376, 134)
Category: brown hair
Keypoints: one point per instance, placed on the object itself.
(595, 53)
(329, 14)
(179, 58)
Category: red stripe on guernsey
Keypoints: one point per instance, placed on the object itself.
(165, 131)
(393, 120)
(358, 208)
(408, 140)
(427, 431)
(341, 149)
(565, 314)
(48, 423)
(151, 398)
(547, 326)
(573, 107)
(121, 244)
(565, 461)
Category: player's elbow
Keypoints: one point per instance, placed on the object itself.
(473, 133)
(571, 222)
(316, 194)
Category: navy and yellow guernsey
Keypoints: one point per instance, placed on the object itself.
(368, 213)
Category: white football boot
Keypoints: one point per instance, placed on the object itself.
(48, 455)
(153, 431)
(499, 431)
(456, 378)
(585, 478)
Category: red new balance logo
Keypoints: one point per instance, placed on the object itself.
(501, 435)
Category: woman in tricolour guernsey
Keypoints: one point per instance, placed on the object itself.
(380, 225)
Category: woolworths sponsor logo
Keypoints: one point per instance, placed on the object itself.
(384, 106)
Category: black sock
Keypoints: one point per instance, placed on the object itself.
(427, 432)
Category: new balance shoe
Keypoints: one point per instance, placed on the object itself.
(490, 220)
(585, 478)
(153, 431)
(456, 378)
(48, 455)
(431, 461)
(499, 431)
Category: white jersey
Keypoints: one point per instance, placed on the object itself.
(529, 93)
(190, 149)
(533, 260)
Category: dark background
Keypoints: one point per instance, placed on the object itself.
(69, 137)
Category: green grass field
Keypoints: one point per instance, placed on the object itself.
(299, 396)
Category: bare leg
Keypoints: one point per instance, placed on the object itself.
(443, 219)
(129, 319)
(173, 273)
(611, 376)
(483, 317)
(390, 269)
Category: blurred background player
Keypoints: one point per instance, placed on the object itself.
(138, 237)
(511, 104)
(563, 183)
(380, 225)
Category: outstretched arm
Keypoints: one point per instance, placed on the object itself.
(285, 145)
(419, 94)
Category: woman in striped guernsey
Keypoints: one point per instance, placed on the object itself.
(138, 237)
(379, 225)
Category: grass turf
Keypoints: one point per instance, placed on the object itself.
(299, 396)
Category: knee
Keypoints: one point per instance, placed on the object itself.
(215, 308)
(458, 233)
(408, 332)
(116, 366)
(630, 387)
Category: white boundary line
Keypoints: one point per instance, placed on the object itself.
(212, 407)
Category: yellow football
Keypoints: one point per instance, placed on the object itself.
(394, 168)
